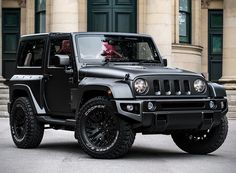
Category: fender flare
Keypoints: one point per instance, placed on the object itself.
(119, 89)
(23, 87)
(216, 90)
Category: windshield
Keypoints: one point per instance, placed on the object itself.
(117, 48)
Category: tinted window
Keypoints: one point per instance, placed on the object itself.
(31, 53)
(59, 46)
(117, 48)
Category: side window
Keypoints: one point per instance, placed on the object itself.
(31, 53)
(59, 48)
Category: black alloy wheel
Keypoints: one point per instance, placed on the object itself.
(26, 131)
(100, 128)
(19, 124)
(100, 132)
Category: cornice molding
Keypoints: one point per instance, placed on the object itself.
(205, 3)
(22, 3)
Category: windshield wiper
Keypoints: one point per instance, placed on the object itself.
(148, 61)
(117, 60)
(130, 60)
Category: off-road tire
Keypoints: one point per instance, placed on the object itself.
(122, 142)
(197, 143)
(30, 132)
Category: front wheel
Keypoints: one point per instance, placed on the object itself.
(202, 142)
(101, 133)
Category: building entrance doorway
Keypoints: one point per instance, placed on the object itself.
(10, 38)
(215, 44)
(112, 15)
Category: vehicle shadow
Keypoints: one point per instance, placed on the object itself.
(136, 152)
(141, 152)
(68, 147)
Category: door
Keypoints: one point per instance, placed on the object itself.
(215, 44)
(10, 38)
(59, 80)
(112, 15)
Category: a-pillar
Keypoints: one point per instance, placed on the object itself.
(63, 16)
(157, 23)
(229, 54)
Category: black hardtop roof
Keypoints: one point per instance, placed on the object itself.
(87, 33)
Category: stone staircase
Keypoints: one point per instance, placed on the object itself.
(231, 96)
(4, 97)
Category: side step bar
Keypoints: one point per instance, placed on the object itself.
(56, 121)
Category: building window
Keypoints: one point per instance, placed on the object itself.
(40, 16)
(185, 21)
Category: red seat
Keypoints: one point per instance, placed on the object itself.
(65, 47)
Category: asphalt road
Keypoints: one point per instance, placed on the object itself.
(59, 152)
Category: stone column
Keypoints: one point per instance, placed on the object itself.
(30, 15)
(229, 54)
(64, 16)
(157, 23)
(82, 15)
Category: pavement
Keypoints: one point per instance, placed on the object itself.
(60, 153)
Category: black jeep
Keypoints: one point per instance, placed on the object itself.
(107, 87)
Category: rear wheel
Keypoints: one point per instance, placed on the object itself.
(100, 132)
(26, 131)
(202, 142)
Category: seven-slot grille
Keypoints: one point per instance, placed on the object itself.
(171, 87)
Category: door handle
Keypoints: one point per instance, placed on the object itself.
(47, 76)
(71, 80)
(69, 70)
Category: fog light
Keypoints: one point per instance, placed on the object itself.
(222, 105)
(212, 105)
(130, 108)
(151, 106)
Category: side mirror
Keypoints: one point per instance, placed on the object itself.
(61, 60)
(165, 62)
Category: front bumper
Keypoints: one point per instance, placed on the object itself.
(174, 114)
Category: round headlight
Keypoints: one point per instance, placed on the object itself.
(140, 86)
(199, 85)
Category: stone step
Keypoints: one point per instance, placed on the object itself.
(4, 114)
(3, 107)
(232, 97)
(4, 96)
(232, 103)
(4, 91)
(231, 92)
(3, 87)
(231, 115)
(232, 108)
(4, 102)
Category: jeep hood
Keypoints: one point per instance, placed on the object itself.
(120, 71)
